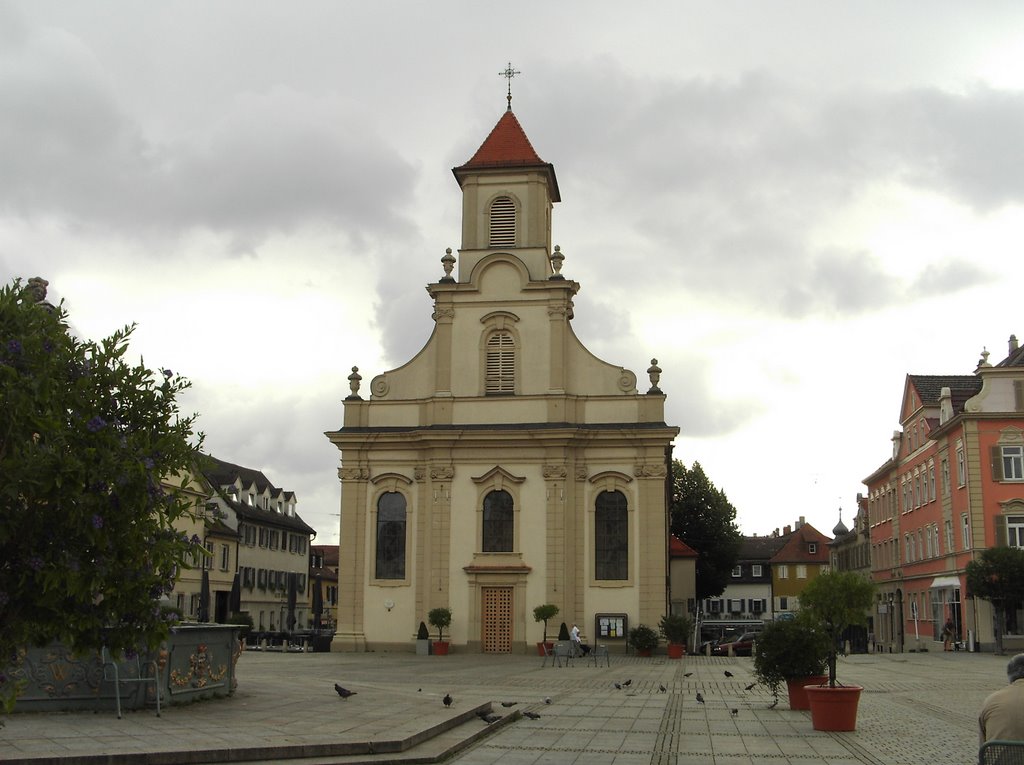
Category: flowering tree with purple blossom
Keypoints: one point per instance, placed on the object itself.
(89, 445)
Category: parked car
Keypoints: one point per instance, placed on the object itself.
(742, 645)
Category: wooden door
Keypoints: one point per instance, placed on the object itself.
(496, 608)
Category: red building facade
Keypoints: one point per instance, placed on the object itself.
(953, 487)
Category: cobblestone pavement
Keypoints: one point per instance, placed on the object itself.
(916, 708)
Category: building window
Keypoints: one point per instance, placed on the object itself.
(1015, 530)
(783, 571)
(931, 483)
(949, 536)
(498, 525)
(801, 571)
(961, 470)
(756, 605)
(611, 536)
(945, 477)
(503, 223)
(737, 571)
(965, 532)
(783, 603)
(812, 547)
(225, 557)
(1013, 463)
(500, 375)
(391, 536)
(756, 570)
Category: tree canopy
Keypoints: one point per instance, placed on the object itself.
(837, 600)
(88, 443)
(998, 577)
(703, 518)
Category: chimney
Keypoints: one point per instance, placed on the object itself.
(786, 530)
(1013, 344)
(800, 522)
(945, 405)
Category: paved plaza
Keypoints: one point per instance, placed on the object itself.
(916, 708)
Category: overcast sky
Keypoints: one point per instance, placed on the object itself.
(791, 205)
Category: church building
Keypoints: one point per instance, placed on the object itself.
(504, 466)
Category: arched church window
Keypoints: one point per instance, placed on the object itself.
(498, 525)
(611, 536)
(391, 536)
(503, 223)
(500, 374)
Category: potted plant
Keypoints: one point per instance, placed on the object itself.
(676, 628)
(541, 614)
(643, 639)
(794, 652)
(440, 618)
(422, 641)
(836, 600)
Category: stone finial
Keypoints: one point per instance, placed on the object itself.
(35, 290)
(448, 262)
(1013, 344)
(654, 371)
(353, 383)
(983, 361)
(556, 263)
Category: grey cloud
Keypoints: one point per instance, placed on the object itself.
(268, 161)
(719, 183)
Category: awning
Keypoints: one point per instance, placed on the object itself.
(944, 582)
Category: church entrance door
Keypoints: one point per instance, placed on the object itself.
(496, 608)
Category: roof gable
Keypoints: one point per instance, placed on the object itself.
(505, 146)
(797, 547)
(923, 391)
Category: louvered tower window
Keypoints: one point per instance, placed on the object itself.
(501, 364)
(503, 223)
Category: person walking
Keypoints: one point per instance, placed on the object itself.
(1002, 713)
(947, 635)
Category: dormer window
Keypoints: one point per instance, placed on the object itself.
(252, 500)
(503, 223)
(812, 547)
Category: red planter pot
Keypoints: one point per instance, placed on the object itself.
(541, 645)
(643, 652)
(834, 708)
(797, 695)
(440, 648)
(676, 650)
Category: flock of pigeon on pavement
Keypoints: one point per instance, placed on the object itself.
(490, 717)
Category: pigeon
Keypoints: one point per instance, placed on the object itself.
(734, 712)
(447, 700)
(344, 692)
(662, 688)
(750, 687)
(531, 715)
(618, 686)
(489, 718)
(547, 699)
(628, 682)
(687, 674)
(507, 704)
(700, 699)
(728, 673)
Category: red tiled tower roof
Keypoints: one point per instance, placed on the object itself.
(505, 147)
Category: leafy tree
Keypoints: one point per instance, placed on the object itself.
(703, 518)
(837, 600)
(998, 577)
(88, 443)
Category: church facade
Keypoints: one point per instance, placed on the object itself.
(504, 466)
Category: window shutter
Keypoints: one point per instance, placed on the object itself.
(503, 223)
(1000, 531)
(996, 457)
(1018, 395)
(261, 578)
(501, 356)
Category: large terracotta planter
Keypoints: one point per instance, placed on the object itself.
(440, 648)
(548, 645)
(834, 708)
(676, 650)
(644, 652)
(797, 695)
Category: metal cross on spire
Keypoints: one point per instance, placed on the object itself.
(508, 74)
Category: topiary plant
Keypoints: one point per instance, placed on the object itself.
(643, 638)
(422, 633)
(790, 649)
(440, 618)
(543, 613)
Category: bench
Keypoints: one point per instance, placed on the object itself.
(997, 752)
